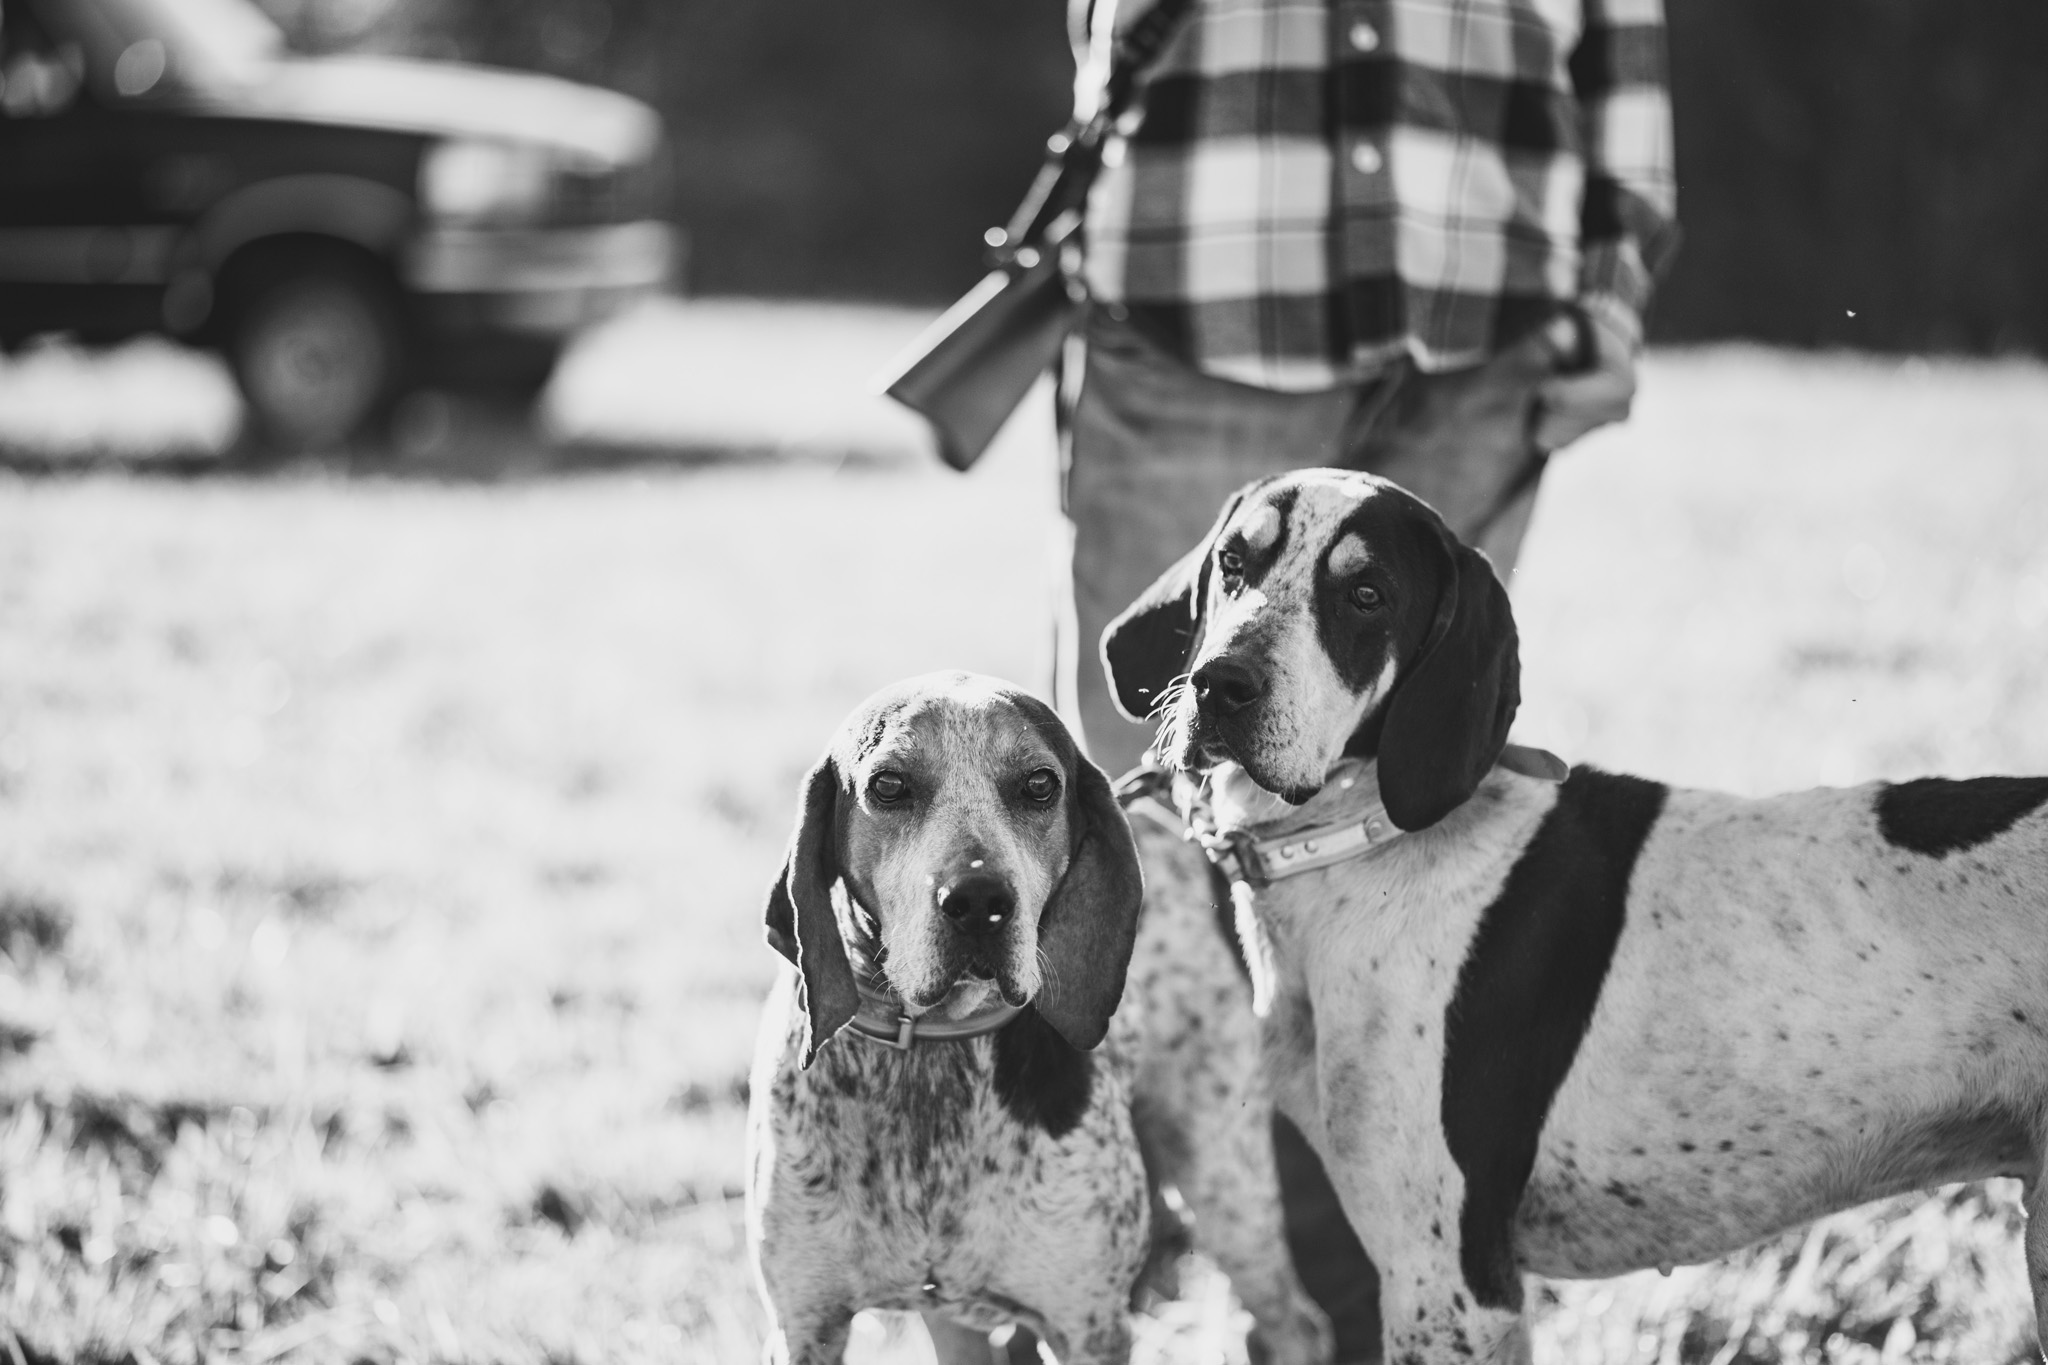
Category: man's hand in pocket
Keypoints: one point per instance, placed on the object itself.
(1600, 389)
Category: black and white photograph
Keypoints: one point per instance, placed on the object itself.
(1023, 682)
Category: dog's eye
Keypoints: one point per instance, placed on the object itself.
(887, 787)
(1230, 561)
(1366, 597)
(1043, 785)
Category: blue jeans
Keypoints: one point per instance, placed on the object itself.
(1152, 449)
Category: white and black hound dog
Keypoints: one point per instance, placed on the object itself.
(962, 899)
(1579, 1028)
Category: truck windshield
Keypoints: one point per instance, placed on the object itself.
(197, 42)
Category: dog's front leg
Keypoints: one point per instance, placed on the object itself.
(1077, 1273)
(2037, 1252)
(1230, 1181)
(1093, 1334)
(815, 1338)
(1429, 1314)
(1425, 1326)
(1384, 1149)
(804, 1286)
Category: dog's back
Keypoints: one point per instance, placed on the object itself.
(1891, 940)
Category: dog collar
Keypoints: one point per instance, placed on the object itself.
(1360, 827)
(882, 1018)
(1183, 807)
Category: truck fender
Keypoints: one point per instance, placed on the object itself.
(349, 208)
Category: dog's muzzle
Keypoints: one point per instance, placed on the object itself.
(980, 907)
(1225, 687)
(977, 903)
(1228, 692)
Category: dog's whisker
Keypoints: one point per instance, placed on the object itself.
(1169, 694)
(1048, 971)
(1174, 719)
(1173, 726)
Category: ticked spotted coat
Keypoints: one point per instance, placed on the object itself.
(954, 847)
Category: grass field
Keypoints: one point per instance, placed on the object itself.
(380, 854)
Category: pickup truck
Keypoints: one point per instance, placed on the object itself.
(339, 228)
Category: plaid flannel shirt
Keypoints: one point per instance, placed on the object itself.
(1307, 190)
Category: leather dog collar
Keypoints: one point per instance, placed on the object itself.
(883, 1018)
(1358, 825)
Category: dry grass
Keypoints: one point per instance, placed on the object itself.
(379, 857)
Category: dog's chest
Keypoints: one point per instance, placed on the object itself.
(926, 1187)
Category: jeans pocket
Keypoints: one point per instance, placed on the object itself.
(1113, 333)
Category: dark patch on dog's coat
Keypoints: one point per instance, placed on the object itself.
(1358, 647)
(1041, 1078)
(1938, 816)
(1525, 997)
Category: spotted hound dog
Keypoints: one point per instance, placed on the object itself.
(980, 1048)
(1571, 1027)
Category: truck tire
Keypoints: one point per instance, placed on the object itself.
(316, 342)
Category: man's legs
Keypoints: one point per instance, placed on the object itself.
(1153, 449)
(1460, 440)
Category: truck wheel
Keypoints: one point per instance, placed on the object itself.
(316, 345)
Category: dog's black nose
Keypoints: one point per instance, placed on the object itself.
(1224, 686)
(977, 901)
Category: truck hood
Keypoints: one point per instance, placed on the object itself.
(444, 99)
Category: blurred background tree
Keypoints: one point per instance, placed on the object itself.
(1868, 173)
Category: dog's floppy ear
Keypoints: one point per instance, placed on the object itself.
(1090, 921)
(1448, 718)
(1147, 647)
(801, 925)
